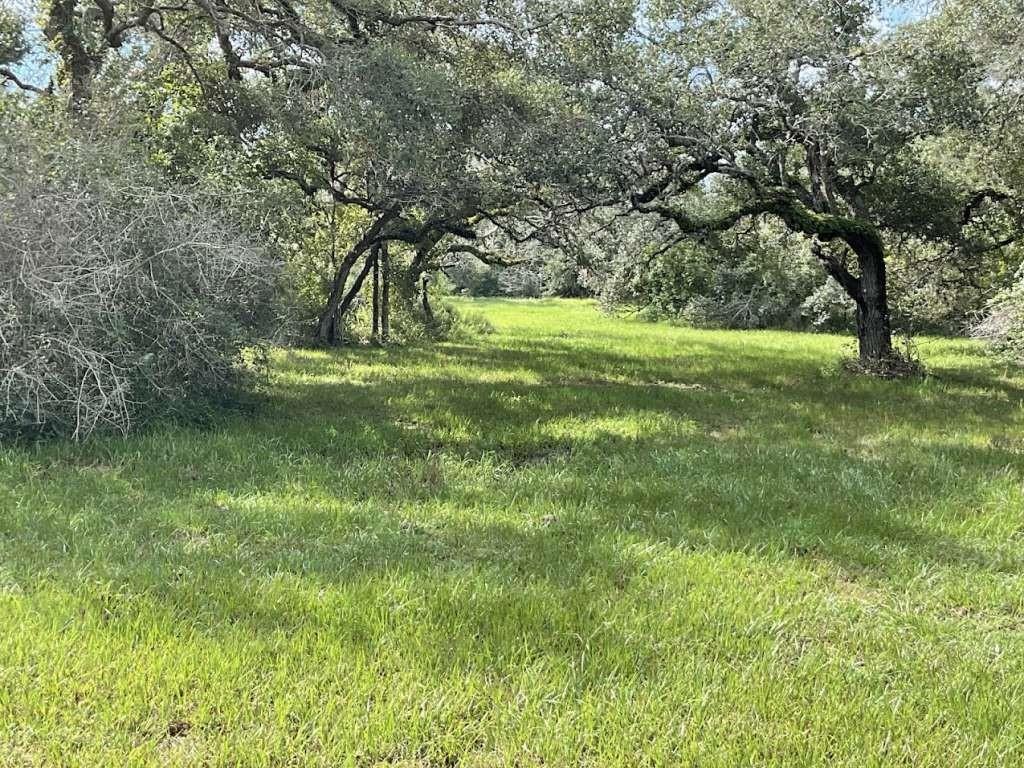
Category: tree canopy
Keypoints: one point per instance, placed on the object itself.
(482, 128)
(806, 112)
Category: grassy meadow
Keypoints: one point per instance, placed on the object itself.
(575, 541)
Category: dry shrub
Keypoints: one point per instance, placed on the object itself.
(1002, 325)
(120, 296)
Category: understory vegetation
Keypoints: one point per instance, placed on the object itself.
(835, 165)
(576, 540)
(1002, 324)
(120, 298)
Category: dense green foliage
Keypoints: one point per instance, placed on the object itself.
(768, 163)
(875, 148)
(12, 37)
(575, 541)
(765, 277)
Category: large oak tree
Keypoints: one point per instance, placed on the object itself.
(817, 115)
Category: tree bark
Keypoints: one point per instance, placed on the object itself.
(62, 30)
(868, 289)
(375, 322)
(327, 327)
(874, 331)
(428, 313)
(385, 298)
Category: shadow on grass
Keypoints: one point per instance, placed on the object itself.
(419, 465)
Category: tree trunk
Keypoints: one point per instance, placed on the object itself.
(868, 291)
(327, 326)
(385, 297)
(63, 32)
(874, 333)
(428, 313)
(375, 323)
(357, 285)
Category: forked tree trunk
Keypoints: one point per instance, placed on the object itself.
(327, 326)
(357, 286)
(330, 323)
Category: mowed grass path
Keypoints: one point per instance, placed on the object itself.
(578, 541)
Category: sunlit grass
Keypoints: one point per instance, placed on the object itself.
(577, 541)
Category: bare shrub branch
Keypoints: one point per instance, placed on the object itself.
(119, 296)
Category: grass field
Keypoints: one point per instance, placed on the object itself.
(577, 541)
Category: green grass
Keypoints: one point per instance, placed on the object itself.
(578, 541)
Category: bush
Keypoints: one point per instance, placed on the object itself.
(472, 277)
(120, 298)
(1003, 322)
(828, 308)
(765, 279)
(520, 281)
(561, 276)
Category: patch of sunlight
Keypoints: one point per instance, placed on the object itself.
(630, 426)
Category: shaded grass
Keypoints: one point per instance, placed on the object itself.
(577, 541)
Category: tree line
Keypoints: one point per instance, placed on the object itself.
(367, 147)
